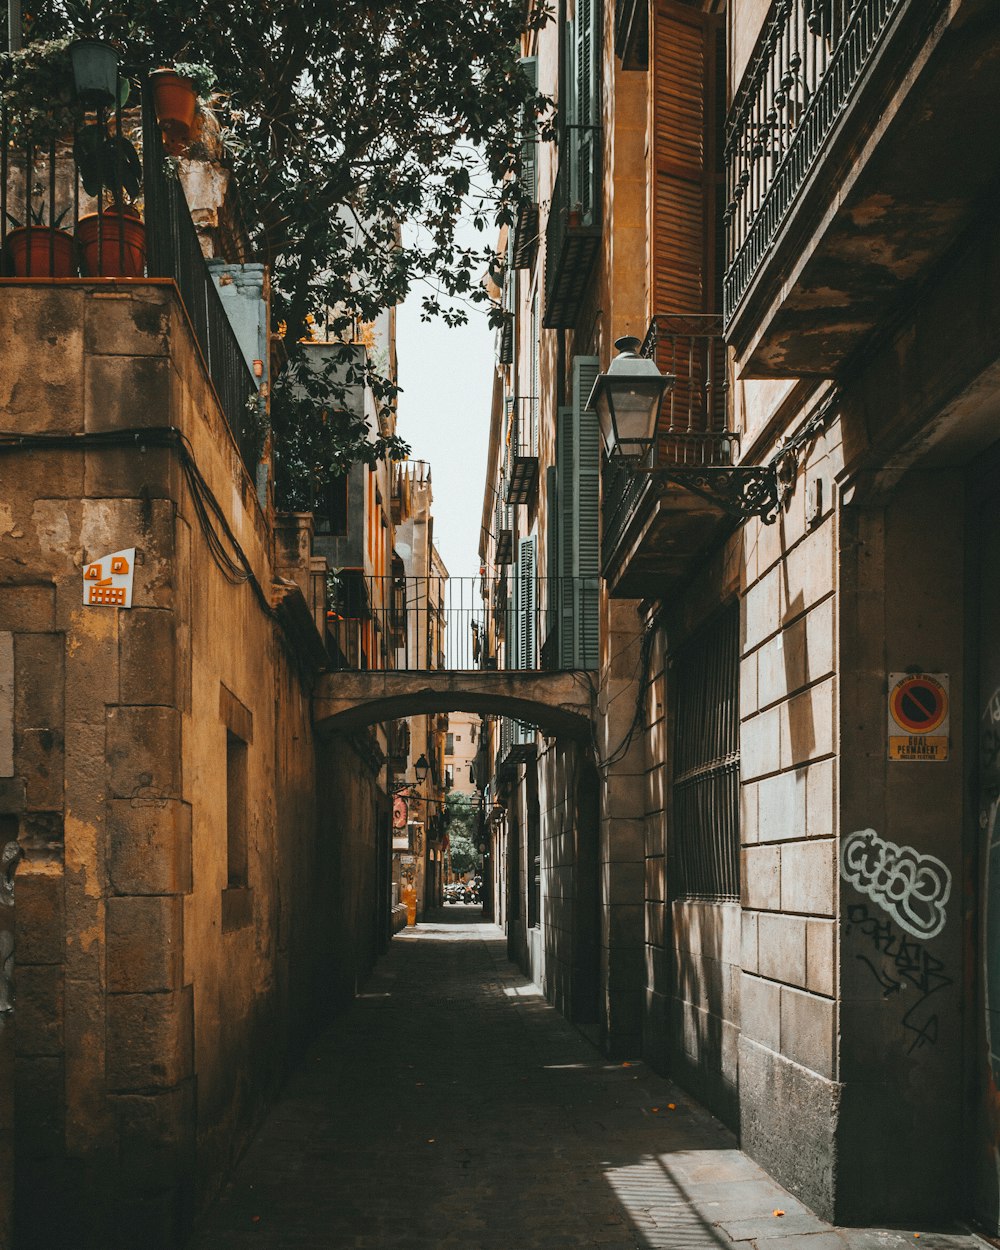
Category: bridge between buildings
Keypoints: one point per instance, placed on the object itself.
(559, 703)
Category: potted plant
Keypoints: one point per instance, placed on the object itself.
(37, 250)
(36, 89)
(175, 98)
(112, 241)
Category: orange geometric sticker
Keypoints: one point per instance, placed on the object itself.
(101, 591)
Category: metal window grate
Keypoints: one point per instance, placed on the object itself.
(705, 837)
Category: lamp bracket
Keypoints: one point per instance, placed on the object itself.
(744, 491)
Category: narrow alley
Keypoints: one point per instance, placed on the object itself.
(451, 1106)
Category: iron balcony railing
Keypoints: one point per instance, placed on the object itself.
(430, 623)
(52, 227)
(810, 59)
(522, 440)
(573, 230)
(695, 426)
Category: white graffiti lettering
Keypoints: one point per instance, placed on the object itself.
(911, 887)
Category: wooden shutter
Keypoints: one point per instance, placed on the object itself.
(536, 373)
(688, 67)
(566, 468)
(552, 553)
(686, 162)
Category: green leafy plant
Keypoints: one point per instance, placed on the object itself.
(36, 88)
(38, 217)
(202, 76)
(107, 161)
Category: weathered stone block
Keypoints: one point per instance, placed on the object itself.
(782, 948)
(38, 668)
(39, 914)
(137, 325)
(624, 883)
(150, 1039)
(748, 949)
(39, 1009)
(760, 744)
(821, 941)
(149, 846)
(147, 653)
(809, 877)
(760, 1011)
(132, 472)
(760, 611)
(769, 1085)
(808, 727)
(13, 796)
(127, 392)
(807, 1030)
(38, 758)
(27, 608)
(144, 943)
(39, 1084)
(155, 1137)
(761, 878)
(41, 382)
(6, 704)
(781, 806)
(143, 752)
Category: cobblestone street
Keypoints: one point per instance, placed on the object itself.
(452, 1107)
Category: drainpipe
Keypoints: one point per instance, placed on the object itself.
(15, 39)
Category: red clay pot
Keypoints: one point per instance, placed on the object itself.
(175, 102)
(50, 252)
(100, 254)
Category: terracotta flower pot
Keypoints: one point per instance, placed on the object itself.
(101, 256)
(175, 102)
(41, 252)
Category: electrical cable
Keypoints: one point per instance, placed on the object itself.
(237, 570)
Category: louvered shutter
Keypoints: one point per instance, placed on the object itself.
(585, 371)
(527, 596)
(536, 370)
(529, 144)
(566, 470)
(552, 554)
(688, 49)
(582, 113)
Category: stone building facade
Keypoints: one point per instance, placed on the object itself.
(779, 889)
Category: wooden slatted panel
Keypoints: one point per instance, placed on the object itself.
(686, 179)
(585, 371)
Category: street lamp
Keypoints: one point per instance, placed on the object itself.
(421, 768)
(627, 400)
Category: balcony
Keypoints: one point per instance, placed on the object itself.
(854, 159)
(632, 33)
(53, 227)
(573, 231)
(655, 530)
(522, 432)
(517, 745)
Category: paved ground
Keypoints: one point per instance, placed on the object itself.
(452, 1107)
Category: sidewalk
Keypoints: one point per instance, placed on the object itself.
(451, 1107)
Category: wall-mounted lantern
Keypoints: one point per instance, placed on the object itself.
(627, 401)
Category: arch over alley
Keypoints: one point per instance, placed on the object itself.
(559, 703)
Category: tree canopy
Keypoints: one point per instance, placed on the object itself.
(359, 133)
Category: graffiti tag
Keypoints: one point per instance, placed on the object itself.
(911, 887)
(901, 965)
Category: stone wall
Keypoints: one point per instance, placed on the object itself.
(154, 954)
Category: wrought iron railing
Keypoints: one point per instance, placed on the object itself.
(695, 426)
(429, 623)
(522, 440)
(572, 229)
(52, 226)
(810, 59)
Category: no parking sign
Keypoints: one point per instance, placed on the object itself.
(919, 717)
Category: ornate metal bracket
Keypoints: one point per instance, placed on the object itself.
(743, 491)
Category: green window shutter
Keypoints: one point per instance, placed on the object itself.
(552, 552)
(578, 465)
(529, 144)
(566, 530)
(536, 372)
(527, 602)
(585, 371)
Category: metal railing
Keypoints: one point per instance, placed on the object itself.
(572, 229)
(52, 227)
(809, 59)
(426, 624)
(695, 426)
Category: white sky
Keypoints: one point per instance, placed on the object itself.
(444, 414)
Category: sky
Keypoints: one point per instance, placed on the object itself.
(444, 414)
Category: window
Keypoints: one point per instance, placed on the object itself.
(237, 896)
(705, 833)
(449, 744)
